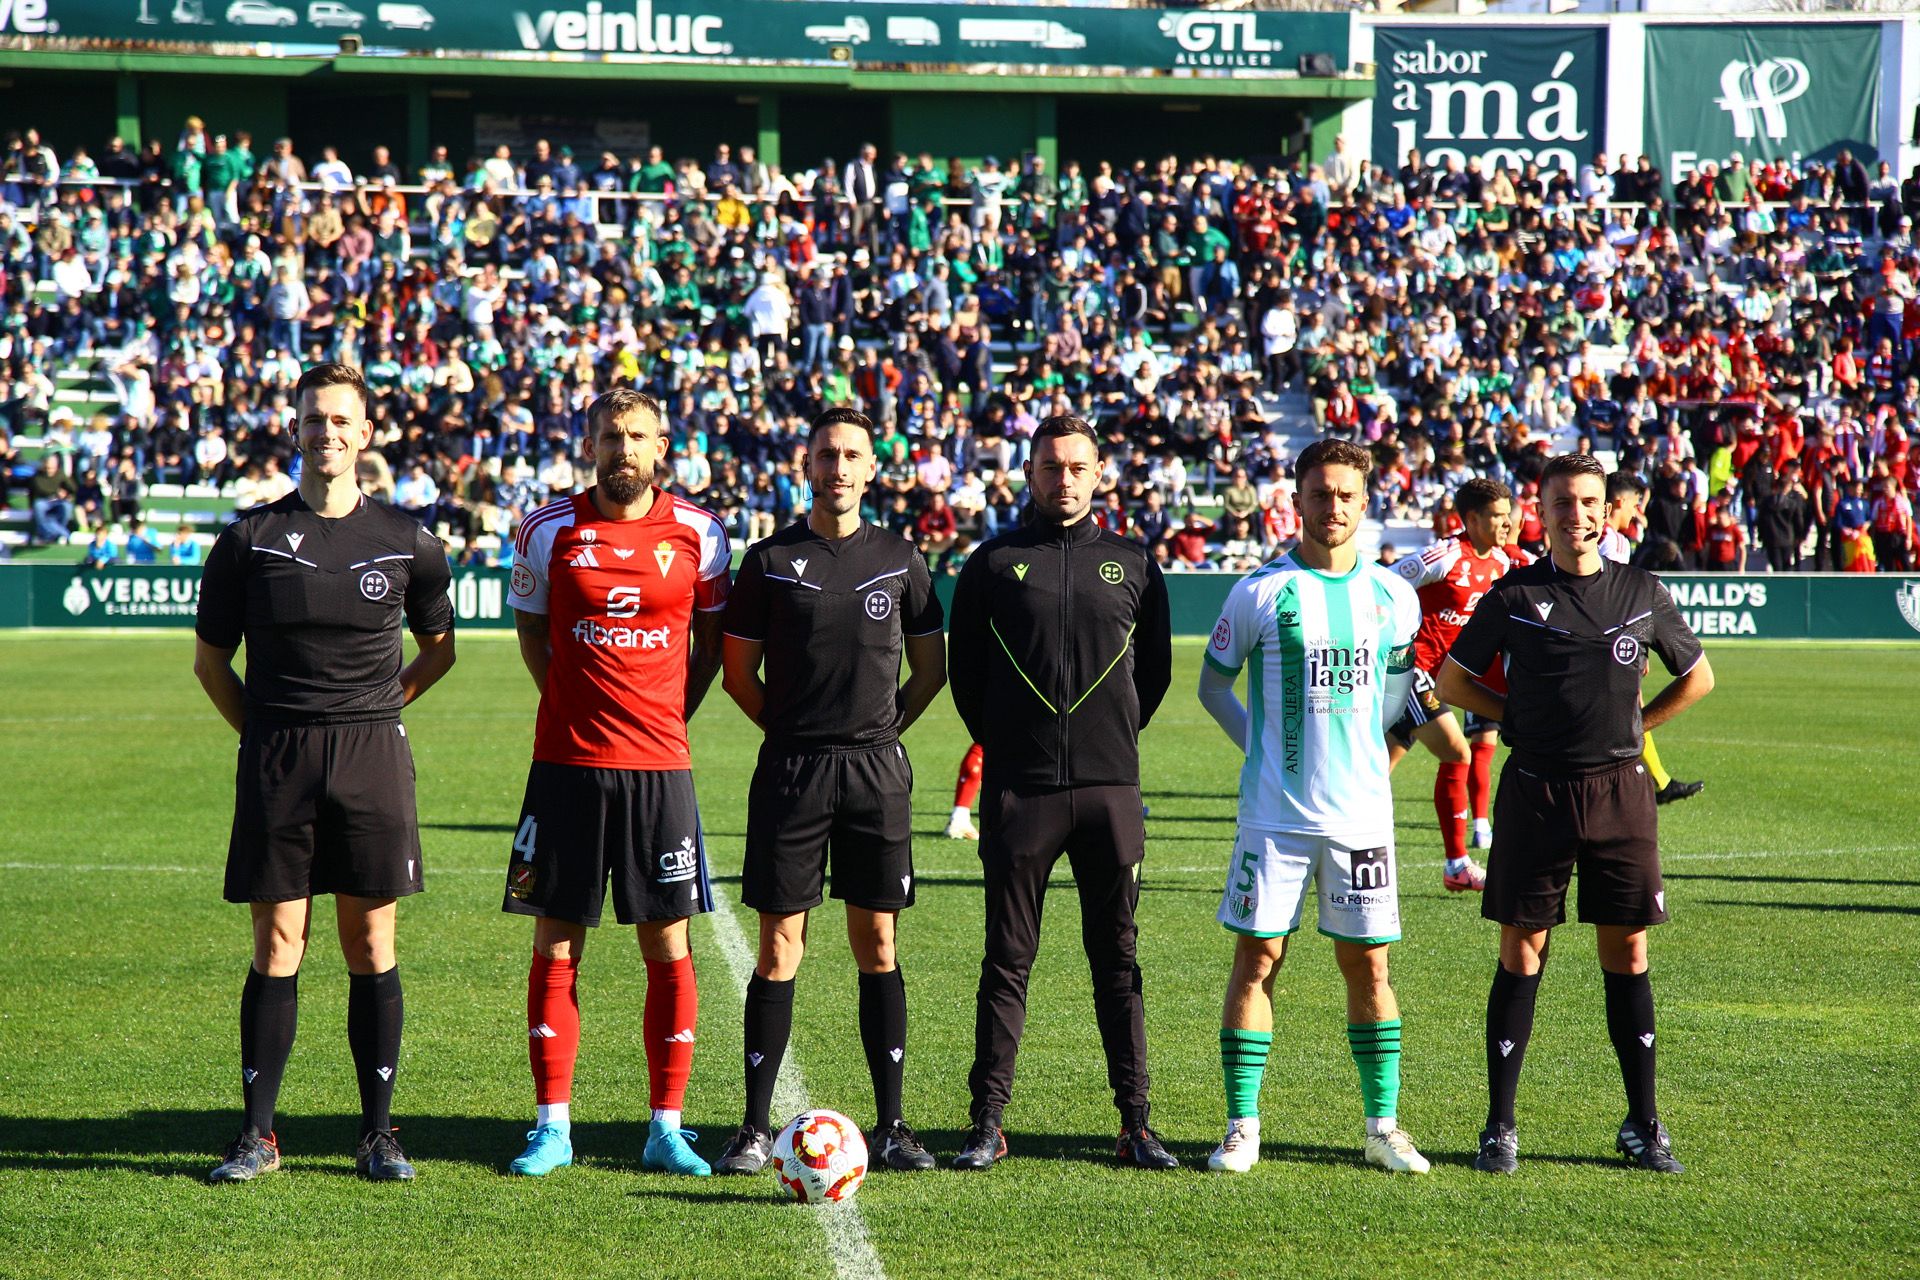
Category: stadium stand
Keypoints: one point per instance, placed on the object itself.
(1748, 340)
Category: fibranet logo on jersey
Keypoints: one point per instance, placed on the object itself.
(587, 631)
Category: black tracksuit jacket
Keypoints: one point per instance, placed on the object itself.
(1059, 651)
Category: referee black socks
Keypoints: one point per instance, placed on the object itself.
(883, 1033)
(269, 1008)
(769, 1024)
(374, 1014)
(1509, 1027)
(1630, 1026)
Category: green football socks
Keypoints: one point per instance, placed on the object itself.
(1243, 1060)
(1376, 1051)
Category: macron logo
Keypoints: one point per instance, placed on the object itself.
(1545, 607)
(905, 882)
(756, 1058)
(683, 1036)
(385, 1073)
(1646, 1041)
(896, 1054)
(295, 539)
(584, 559)
(247, 1074)
(1506, 1047)
(799, 568)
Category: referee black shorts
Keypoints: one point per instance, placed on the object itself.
(803, 805)
(323, 809)
(579, 826)
(1602, 825)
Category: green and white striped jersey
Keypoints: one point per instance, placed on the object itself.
(1318, 649)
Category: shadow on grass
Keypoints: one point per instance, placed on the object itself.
(1840, 880)
(188, 1143)
(1854, 908)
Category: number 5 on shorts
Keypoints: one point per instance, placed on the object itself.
(523, 840)
(1247, 859)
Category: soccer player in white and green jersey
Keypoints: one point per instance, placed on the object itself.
(1327, 639)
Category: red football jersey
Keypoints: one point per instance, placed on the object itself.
(1450, 580)
(619, 596)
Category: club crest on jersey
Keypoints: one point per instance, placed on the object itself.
(1626, 651)
(663, 556)
(374, 585)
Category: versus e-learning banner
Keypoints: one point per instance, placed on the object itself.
(1801, 90)
(1504, 95)
(1785, 606)
(719, 30)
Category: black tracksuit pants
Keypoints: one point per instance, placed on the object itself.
(1023, 833)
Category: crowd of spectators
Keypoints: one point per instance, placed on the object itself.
(1747, 338)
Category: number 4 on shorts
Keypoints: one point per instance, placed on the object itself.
(523, 839)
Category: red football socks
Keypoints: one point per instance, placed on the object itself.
(553, 1027)
(673, 1005)
(1450, 803)
(967, 789)
(1480, 781)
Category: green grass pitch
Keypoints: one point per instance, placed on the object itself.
(1787, 985)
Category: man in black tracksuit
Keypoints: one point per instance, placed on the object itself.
(1060, 650)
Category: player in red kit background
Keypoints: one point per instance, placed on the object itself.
(617, 595)
(1450, 577)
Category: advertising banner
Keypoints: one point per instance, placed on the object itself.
(1800, 90)
(721, 30)
(1504, 95)
(1823, 606)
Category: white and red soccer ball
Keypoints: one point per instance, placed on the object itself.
(820, 1157)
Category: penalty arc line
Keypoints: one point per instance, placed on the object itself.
(845, 1227)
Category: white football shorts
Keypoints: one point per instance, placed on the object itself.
(1267, 886)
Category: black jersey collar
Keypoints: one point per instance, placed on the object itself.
(1083, 530)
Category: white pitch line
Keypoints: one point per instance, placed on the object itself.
(846, 1229)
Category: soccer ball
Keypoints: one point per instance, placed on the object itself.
(820, 1156)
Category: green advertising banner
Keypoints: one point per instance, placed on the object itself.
(1817, 606)
(1801, 90)
(721, 30)
(1502, 95)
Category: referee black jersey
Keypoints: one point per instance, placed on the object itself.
(319, 604)
(832, 614)
(1574, 649)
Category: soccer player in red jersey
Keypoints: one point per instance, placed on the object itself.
(617, 595)
(1450, 577)
(966, 790)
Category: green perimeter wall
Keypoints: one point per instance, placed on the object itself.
(1768, 607)
(796, 116)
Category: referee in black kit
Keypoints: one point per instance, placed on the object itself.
(830, 604)
(316, 584)
(1574, 632)
(1060, 652)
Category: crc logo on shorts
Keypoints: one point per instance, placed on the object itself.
(1112, 572)
(1222, 635)
(623, 602)
(522, 580)
(1626, 651)
(520, 881)
(1372, 870)
(680, 864)
(374, 585)
(879, 606)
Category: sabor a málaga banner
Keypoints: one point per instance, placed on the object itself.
(719, 30)
(1507, 95)
(1801, 90)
